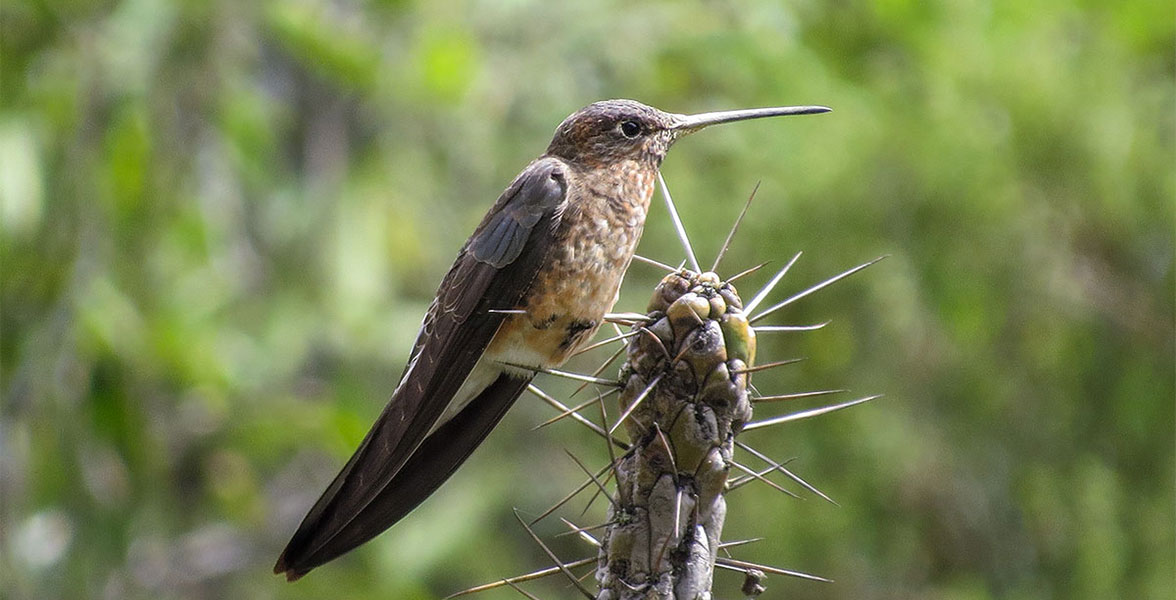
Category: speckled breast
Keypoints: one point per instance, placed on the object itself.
(581, 278)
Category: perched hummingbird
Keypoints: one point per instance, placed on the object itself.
(529, 287)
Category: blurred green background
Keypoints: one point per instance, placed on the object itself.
(222, 222)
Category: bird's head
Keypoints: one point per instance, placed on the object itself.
(612, 130)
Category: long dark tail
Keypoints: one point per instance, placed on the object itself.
(325, 534)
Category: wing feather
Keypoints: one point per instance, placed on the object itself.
(494, 270)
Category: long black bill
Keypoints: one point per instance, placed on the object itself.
(684, 124)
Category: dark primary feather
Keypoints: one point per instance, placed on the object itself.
(435, 460)
(493, 271)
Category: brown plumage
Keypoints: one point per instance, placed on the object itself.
(556, 245)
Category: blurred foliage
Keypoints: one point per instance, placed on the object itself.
(222, 222)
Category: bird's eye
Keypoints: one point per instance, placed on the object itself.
(630, 129)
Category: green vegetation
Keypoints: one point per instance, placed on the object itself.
(222, 222)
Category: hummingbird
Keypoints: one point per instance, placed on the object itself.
(528, 288)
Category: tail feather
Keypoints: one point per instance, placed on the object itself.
(439, 455)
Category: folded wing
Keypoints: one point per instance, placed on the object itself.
(493, 271)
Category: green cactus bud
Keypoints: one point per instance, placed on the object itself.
(739, 335)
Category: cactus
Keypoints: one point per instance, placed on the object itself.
(685, 394)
